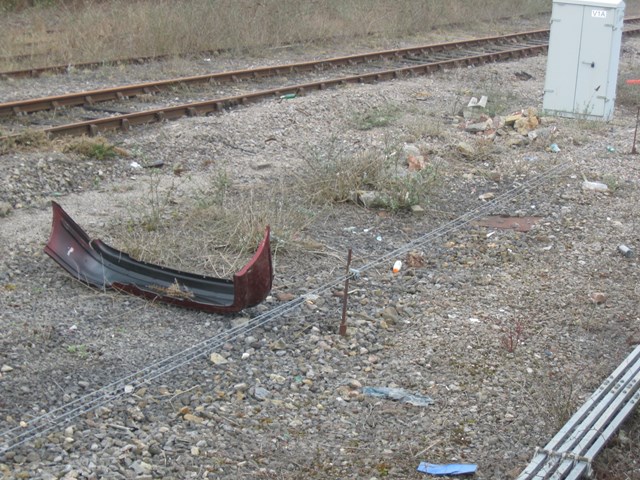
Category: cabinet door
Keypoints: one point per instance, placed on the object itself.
(594, 61)
(564, 51)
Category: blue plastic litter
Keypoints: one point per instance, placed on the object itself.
(448, 469)
(398, 394)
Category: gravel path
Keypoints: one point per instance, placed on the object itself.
(507, 332)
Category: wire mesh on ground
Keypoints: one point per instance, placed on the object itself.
(56, 418)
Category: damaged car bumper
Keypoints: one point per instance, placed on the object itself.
(97, 264)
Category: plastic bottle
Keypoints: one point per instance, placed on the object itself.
(397, 266)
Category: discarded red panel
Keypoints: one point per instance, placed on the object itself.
(95, 263)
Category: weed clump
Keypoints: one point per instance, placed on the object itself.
(376, 179)
(95, 147)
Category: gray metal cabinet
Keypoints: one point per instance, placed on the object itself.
(582, 64)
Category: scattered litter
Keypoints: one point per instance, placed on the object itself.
(354, 274)
(486, 196)
(397, 266)
(554, 148)
(449, 469)
(610, 149)
(624, 250)
(379, 238)
(398, 394)
(474, 102)
(475, 108)
(287, 96)
(522, 75)
(156, 164)
(594, 186)
(135, 166)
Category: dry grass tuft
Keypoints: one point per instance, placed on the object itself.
(74, 31)
(91, 147)
(27, 140)
(216, 231)
(330, 174)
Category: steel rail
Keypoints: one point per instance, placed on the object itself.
(57, 417)
(126, 121)
(306, 66)
(125, 91)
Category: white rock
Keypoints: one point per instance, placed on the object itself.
(218, 359)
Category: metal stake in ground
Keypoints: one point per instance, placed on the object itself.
(345, 296)
(635, 134)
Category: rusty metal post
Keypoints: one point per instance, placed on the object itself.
(345, 296)
(635, 134)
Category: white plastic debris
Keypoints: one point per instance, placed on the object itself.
(595, 186)
(397, 266)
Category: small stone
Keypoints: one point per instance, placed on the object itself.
(128, 389)
(598, 298)
(390, 315)
(285, 296)
(260, 393)
(355, 384)
(141, 467)
(486, 196)
(239, 322)
(189, 417)
(417, 210)
(195, 451)
(155, 449)
(278, 345)
(218, 359)
(6, 368)
(465, 149)
(5, 209)
(479, 126)
(277, 378)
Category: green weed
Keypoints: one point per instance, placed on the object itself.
(79, 350)
(376, 117)
(92, 147)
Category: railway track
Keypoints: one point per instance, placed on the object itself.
(121, 108)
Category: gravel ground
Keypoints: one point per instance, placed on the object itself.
(507, 332)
